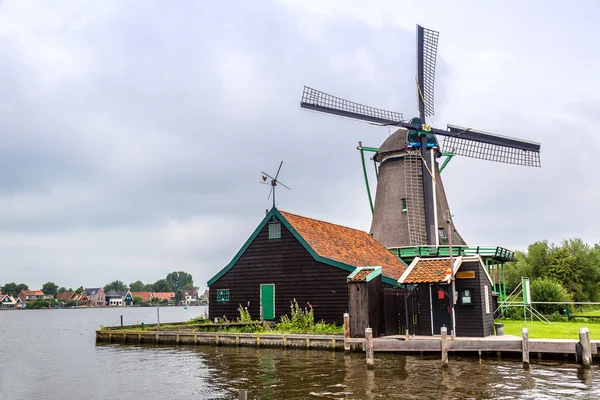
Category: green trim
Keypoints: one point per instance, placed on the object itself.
(377, 271)
(275, 213)
(371, 149)
(362, 158)
(446, 161)
(243, 249)
(223, 291)
(404, 206)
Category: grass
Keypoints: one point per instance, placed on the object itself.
(594, 313)
(557, 330)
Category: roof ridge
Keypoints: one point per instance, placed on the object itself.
(327, 222)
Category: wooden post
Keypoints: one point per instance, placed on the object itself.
(369, 346)
(525, 348)
(444, 345)
(243, 394)
(121, 320)
(584, 338)
(346, 331)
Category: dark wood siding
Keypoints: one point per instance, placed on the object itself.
(472, 320)
(295, 273)
(424, 318)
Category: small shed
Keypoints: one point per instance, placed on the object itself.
(470, 293)
(365, 304)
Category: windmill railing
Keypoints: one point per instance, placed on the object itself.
(494, 252)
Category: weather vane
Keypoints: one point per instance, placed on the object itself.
(273, 182)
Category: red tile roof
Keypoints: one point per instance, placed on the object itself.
(146, 296)
(346, 245)
(32, 292)
(65, 296)
(164, 295)
(428, 271)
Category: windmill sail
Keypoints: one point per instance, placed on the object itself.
(427, 41)
(488, 146)
(316, 100)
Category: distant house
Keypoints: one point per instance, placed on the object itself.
(118, 298)
(169, 296)
(81, 299)
(8, 302)
(65, 296)
(32, 295)
(96, 297)
(291, 257)
(204, 296)
(190, 297)
(146, 296)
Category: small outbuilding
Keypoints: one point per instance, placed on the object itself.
(290, 257)
(471, 296)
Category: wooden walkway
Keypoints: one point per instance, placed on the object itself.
(485, 344)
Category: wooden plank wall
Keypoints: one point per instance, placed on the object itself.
(424, 311)
(472, 320)
(295, 273)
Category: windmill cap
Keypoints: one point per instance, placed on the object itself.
(395, 143)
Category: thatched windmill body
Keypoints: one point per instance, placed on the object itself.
(410, 203)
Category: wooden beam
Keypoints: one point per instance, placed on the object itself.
(525, 348)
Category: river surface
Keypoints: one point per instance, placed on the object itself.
(52, 354)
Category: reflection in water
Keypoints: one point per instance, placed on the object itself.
(152, 372)
(299, 374)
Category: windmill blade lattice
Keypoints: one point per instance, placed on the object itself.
(426, 56)
(316, 100)
(491, 152)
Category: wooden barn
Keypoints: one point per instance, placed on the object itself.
(291, 257)
(433, 295)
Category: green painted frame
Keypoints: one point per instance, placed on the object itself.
(275, 213)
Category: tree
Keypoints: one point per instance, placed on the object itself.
(10, 289)
(161, 285)
(50, 288)
(548, 290)
(22, 286)
(147, 287)
(178, 279)
(137, 286)
(115, 285)
(178, 297)
(79, 290)
(137, 300)
(189, 286)
(62, 289)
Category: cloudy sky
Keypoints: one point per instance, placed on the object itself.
(133, 133)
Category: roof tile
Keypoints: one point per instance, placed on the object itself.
(346, 245)
(428, 271)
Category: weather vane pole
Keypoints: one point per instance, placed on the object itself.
(273, 183)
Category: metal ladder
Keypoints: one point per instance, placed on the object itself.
(414, 199)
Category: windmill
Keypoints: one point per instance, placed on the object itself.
(410, 197)
(273, 182)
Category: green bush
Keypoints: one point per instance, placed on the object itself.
(549, 290)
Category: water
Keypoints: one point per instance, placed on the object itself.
(51, 354)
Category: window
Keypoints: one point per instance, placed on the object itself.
(404, 207)
(486, 299)
(466, 297)
(442, 233)
(274, 230)
(222, 296)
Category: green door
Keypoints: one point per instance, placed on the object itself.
(267, 301)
